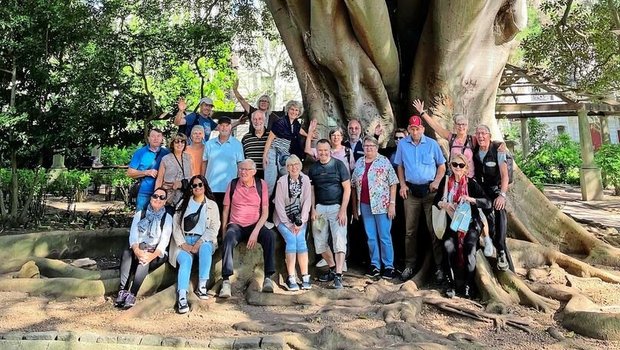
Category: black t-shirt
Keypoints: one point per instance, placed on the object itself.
(327, 180)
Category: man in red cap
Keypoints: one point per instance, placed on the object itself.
(421, 166)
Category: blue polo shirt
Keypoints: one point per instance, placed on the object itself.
(222, 159)
(420, 161)
(144, 158)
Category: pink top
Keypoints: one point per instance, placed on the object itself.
(245, 207)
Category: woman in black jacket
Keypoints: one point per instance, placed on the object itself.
(460, 246)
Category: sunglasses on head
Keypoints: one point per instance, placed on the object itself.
(158, 196)
(199, 184)
(458, 165)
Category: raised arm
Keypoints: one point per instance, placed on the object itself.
(440, 130)
(244, 103)
(179, 119)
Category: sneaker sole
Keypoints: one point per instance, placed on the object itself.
(184, 310)
(306, 288)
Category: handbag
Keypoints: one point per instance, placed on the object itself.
(462, 217)
(190, 221)
(135, 188)
(440, 217)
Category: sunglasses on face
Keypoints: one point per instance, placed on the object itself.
(398, 138)
(158, 196)
(197, 185)
(179, 141)
(458, 165)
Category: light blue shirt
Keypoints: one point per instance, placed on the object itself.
(222, 159)
(420, 161)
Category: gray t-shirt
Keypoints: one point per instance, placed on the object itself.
(327, 180)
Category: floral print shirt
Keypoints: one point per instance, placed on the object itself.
(381, 176)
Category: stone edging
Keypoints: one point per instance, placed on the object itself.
(270, 342)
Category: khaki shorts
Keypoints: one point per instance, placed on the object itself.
(328, 221)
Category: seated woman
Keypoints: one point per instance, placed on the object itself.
(293, 202)
(196, 224)
(460, 247)
(148, 239)
(338, 151)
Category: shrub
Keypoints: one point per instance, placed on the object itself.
(116, 155)
(71, 184)
(608, 159)
(555, 161)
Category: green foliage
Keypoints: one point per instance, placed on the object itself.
(116, 155)
(29, 180)
(555, 161)
(574, 43)
(608, 159)
(71, 184)
(538, 134)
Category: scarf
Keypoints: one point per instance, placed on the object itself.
(457, 192)
(149, 228)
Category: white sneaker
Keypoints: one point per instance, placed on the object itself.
(269, 225)
(488, 246)
(321, 263)
(226, 290)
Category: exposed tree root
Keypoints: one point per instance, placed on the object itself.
(60, 288)
(491, 291)
(510, 282)
(571, 265)
(56, 268)
(582, 315)
(154, 303)
(63, 244)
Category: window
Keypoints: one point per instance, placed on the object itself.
(561, 129)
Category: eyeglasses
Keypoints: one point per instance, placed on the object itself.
(482, 133)
(294, 164)
(246, 169)
(160, 197)
(458, 165)
(195, 185)
(369, 145)
(460, 124)
(179, 141)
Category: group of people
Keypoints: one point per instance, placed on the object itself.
(202, 191)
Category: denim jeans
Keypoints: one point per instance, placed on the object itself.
(131, 266)
(295, 243)
(185, 261)
(236, 234)
(377, 228)
(142, 201)
(271, 171)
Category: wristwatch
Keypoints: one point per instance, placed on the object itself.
(503, 194)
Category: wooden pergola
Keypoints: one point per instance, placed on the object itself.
(524, 94)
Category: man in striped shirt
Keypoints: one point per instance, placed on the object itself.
(254, 141)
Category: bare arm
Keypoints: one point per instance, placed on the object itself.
(401, 180)
(268, 143)
(225, 212)
(308, 145)
(440, 130)
(179, 119)
(160, 175)
(244, 103)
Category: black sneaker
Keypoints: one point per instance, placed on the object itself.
(202, 295)
(120, 299)
(373, 272)
(502, 261)
(338, 282)
(183, 306)
(439, 277)
(388, 274)
(328, 276)
(406, 274)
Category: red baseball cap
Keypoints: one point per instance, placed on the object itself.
(414, 120)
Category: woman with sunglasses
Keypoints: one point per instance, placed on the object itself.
(148, 239)
(196, 224)
(460, 247)
(175, 170)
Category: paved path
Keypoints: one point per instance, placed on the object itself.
(605, 213)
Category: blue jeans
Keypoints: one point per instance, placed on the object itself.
(295, 243)
(271, 171)
(379, 237)
(185, 260)
(142, 201)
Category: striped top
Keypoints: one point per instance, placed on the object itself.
(253, 148)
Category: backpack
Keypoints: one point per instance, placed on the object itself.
(468, 141)
(259, 189)
(509, 160)
(163, 218)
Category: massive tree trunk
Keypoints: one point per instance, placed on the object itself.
(369, 59)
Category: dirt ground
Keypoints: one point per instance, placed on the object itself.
(217, 318)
